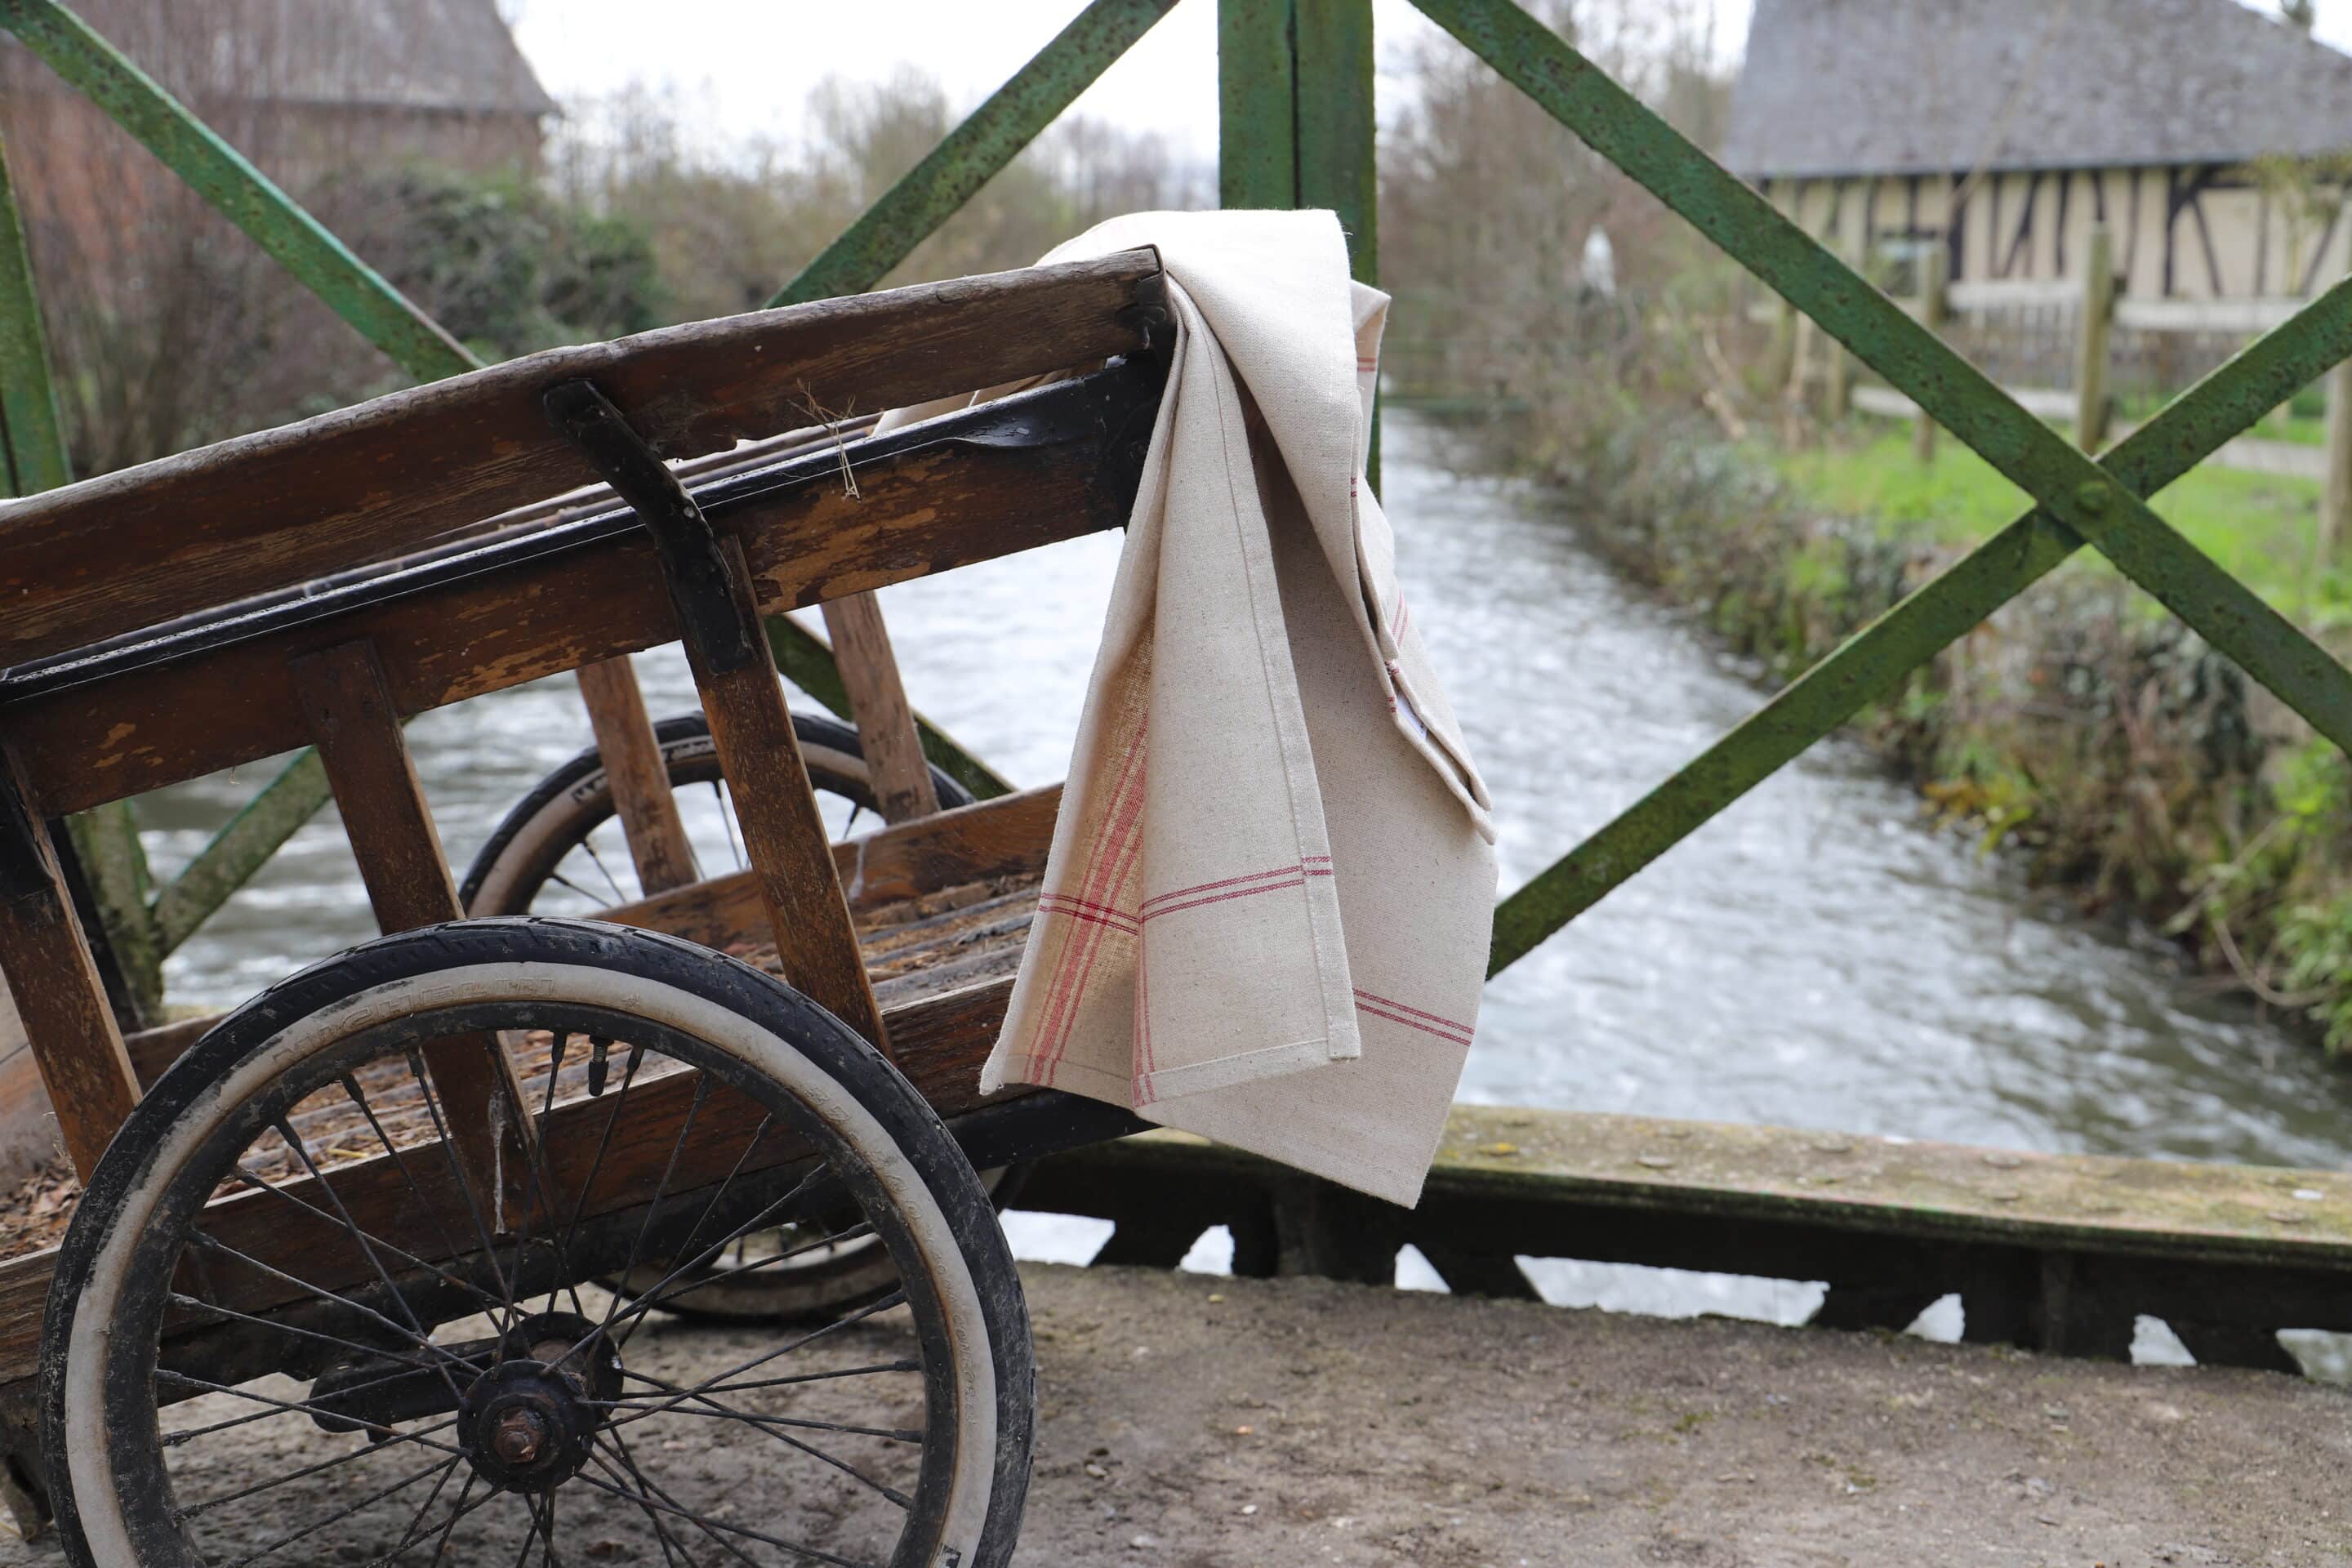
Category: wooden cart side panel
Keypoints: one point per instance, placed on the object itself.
(940, 1042)
(59, 997)
(926, 511)
(920, 513)
(128, 550)
(352, 720)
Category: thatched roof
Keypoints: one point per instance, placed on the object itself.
(1868, 86)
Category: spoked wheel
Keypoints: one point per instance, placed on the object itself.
(562, 851)
(376, 1349)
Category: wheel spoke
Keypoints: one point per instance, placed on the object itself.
(214, 1243)
(417, 1528)
(192, 1304)
(456, 1513)
(677, 1148)
(670, 1544)
(432, 1209)
(360, 1239)
(182, 1436)
(368, 1502)
(706, 1526)
(465, 1185)
(628, 1399)
(596, 1167)
(589, 844)
(365, 1451)
(786, 1438)
(718, 1412)
(644, 1304)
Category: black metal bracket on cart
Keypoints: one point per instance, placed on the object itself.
(702, 589)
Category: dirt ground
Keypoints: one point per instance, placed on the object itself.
(1201, 1422)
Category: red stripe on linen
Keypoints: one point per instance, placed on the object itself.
(1295, 879)
(1290, 870)
(1061, 998)
(1412, 1023)
(1364, 995)
(1078, 911)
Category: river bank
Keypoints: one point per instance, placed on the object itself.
(2082, 729)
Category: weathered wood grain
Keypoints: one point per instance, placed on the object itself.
(636, 773)
(125, 550)
(924, 511)
(895, 763)
(783, 832)
(60, 998)
(351, 721)
(1007, 837)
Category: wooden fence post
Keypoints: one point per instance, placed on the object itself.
(1933, 310)
(2092, 331)
(2335, 499)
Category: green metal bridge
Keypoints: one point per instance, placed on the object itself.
(1297, 130)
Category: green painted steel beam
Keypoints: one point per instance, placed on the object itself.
(1257, 104)
(241, 848)
(1332, 46)
(1958, 395)
(806, 660)
(975, 152)
(28, 400)
(223, 176)
(105, 841)
(1336, 134)
(2073, 492)
(1871, 663)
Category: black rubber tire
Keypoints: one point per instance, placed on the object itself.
(109, 1482)
(513, 863)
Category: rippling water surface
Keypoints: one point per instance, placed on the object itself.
(1814, 957)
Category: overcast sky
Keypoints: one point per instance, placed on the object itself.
(745, 67)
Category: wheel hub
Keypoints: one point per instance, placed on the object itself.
(530, 1423)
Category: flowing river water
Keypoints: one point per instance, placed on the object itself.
(1815, 957)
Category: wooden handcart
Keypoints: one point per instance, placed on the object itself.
(360, 1270)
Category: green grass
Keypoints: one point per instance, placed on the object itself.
(2259, 527)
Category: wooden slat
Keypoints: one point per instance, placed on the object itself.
(895, 763)
(130, 549)
(925, 511)
(1007, 837)
(634, 770)
(784, 834)
(940, 1042)
(59, 996)
(353, 723)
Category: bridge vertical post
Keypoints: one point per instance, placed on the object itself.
(1295, 127)
(1337, 164)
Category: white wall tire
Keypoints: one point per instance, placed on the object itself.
(117, 1498)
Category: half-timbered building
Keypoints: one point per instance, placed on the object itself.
(2215, 142)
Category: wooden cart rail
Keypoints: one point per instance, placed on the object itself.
(218, 693)
(112, 554)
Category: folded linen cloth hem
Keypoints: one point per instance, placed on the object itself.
(1139, 1090)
